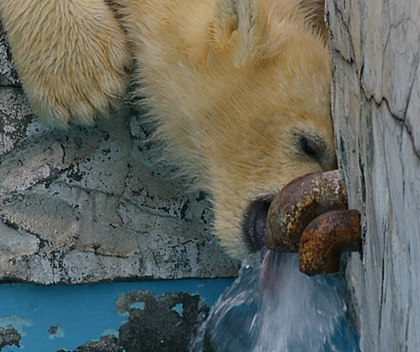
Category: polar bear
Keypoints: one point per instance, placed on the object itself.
(239, 90)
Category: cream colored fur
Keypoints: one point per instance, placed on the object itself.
(72, 57)
(232, 85)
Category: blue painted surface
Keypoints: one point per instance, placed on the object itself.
(81, 313)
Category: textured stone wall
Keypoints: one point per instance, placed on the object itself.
(376, 106)
(94, 204)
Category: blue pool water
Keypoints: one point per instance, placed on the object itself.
(272, 307)
(81, 313)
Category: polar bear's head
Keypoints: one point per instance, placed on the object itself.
(272, 111)
(241, 93)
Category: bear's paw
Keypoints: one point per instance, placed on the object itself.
(72, 57)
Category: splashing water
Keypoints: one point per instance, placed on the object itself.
(272, 307)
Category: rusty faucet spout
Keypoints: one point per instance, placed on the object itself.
(326, 238)
(310, 216)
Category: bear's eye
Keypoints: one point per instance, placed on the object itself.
(309, 147)
(312, 146)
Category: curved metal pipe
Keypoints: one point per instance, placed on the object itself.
(298, 203)
(326, 238)
(310, 216)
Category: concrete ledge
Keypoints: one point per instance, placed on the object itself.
(95, 204)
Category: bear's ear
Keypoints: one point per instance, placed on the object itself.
(240, 28)
(314, 11)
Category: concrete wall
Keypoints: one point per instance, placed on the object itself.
(94, 204)
(376, 106)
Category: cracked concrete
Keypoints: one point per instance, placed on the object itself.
(376, 105)
(86, 205)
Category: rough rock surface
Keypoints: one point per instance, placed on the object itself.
(108, 343)
(164, 324)
(94, 204)
(376, 107)
(9, 337)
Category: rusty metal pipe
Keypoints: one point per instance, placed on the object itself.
(298, 204)
(326, 238)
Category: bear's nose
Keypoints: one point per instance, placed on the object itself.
(255, 222)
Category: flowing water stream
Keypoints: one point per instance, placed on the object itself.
(272, 307)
